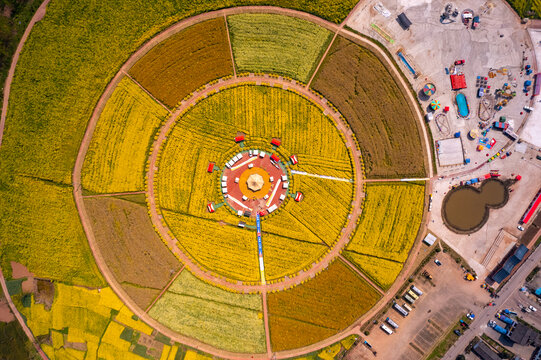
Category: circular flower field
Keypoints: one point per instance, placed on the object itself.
(224, 187)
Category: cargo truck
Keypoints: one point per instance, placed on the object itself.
(416, 290)
(386, 329)
(413, 295)
(392, 323)
(400, 309)
(409, 298)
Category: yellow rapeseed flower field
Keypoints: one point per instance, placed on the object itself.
(387, 230)
(116, 158)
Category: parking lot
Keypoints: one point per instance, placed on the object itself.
(446, 298)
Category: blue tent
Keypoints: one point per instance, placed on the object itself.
(538, 292)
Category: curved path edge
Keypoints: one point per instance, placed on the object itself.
(77, 191)
(40, 13)
(318, 266)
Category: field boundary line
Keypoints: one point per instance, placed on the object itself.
(146, 91)
(321, 176)
(266, 323)
(396, 180)
(164, 289)
(322, 58)
(114, 194)
(230, 45)
(359, 272)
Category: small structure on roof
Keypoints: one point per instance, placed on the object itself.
(429, 89)
(458, 82)
(299, 196)
(429, 239)
(276, 142)
(294, 160)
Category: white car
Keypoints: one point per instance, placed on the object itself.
(520, 228)
(532, 308)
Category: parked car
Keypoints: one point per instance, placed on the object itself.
(532, 308)
(458, 333)
(520, 228)
(460, 62)
(437, 262)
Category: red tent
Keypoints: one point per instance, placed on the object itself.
(458, 82)
(210, 208)
(294, 159)
(210, 168)
(275, 158)
(299, 196)
(276, 142)
(239, 138)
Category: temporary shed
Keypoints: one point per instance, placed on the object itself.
(429, 239)
(458, 82)
(403, 21)
(239, 138)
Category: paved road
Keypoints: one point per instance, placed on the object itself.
(482, 318)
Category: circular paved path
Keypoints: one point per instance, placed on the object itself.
(77, 191)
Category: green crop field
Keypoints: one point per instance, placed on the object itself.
(365, 92)
(40, 228)
(168, 70)
(526, 8)
(277, 44)
(332, 301)
(116, 157)
(229, 321)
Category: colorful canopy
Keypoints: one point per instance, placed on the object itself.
(435, 105)
(429, 89)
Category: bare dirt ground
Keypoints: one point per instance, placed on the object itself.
(445, 299)
(501, 41)
(5, 313)
(19, 271)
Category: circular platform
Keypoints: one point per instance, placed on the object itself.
(254, 181)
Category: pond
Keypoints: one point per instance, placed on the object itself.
(466, 209)
(462, 103)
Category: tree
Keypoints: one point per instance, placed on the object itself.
(460, 357)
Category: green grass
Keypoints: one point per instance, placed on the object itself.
(526, 8)
(214, 316)
(277, 44)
